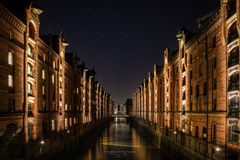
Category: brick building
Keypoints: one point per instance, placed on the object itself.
(44, 91)
(196, 90)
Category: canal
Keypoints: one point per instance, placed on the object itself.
(120, 141)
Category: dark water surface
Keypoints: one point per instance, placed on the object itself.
(119, 141)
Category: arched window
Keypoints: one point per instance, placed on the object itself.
(30, 70)
(29, 50)
(29, 88)
(10, 58)
(233, 83)
(31, 31)
(233, 57)
(232, 33)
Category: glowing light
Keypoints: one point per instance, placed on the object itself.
(42, 142)
(175, 132)
(218, 149)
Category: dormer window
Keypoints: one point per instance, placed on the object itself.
(31, 31)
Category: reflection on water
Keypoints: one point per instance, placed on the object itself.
(120, 141)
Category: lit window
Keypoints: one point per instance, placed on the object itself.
(70, 121)
(53, 78)
(43, 74)
(29, 49)
(29, 88)
(10, 58)
(29, 70)
(54, 64)
(43, 89)
(66, 107)
(53, 125)
(66, 123)
(10, 81)
(44, 57)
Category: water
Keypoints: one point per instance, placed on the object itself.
(119, 141)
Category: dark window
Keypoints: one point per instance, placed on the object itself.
(233, 58)
(44, 130)
(214, 104)
(30, 131)
(215, 83)
(232, 33)
(214, 41)
(11, 104)
(214, 134)
(196, 131)
(205, 88)
(190, 58)
(197, 91)
(191, 76)
(215, 62)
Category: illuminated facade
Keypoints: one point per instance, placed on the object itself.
(196, 93)
(44, 92)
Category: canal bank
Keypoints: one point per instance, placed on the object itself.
(177, 145)
(64, 146)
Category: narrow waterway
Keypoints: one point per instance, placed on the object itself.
(120, 140)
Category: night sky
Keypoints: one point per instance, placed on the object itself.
(121, 39)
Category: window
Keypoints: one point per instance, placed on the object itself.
(205, 88)
(197, 91)
(232, 33)
(29, 50)
(66, 107)
(10, 34)
(30, 131)
(190, 58)
(70, 121)
(53, 79)
(53, 125)
(44, 106)
(214, 133)
(204, 133)
(43, 74)
(10, 81)
(66, 123)
(11, 104)
(214, 104)
(43, 89)
(214, 41)
(30, 70)
(10, 58)
(44, 57)
(214, 62)
(196, 131)
(191, 75)
(215, 83)
(29, 88)
(54, 64)
(31, 31)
